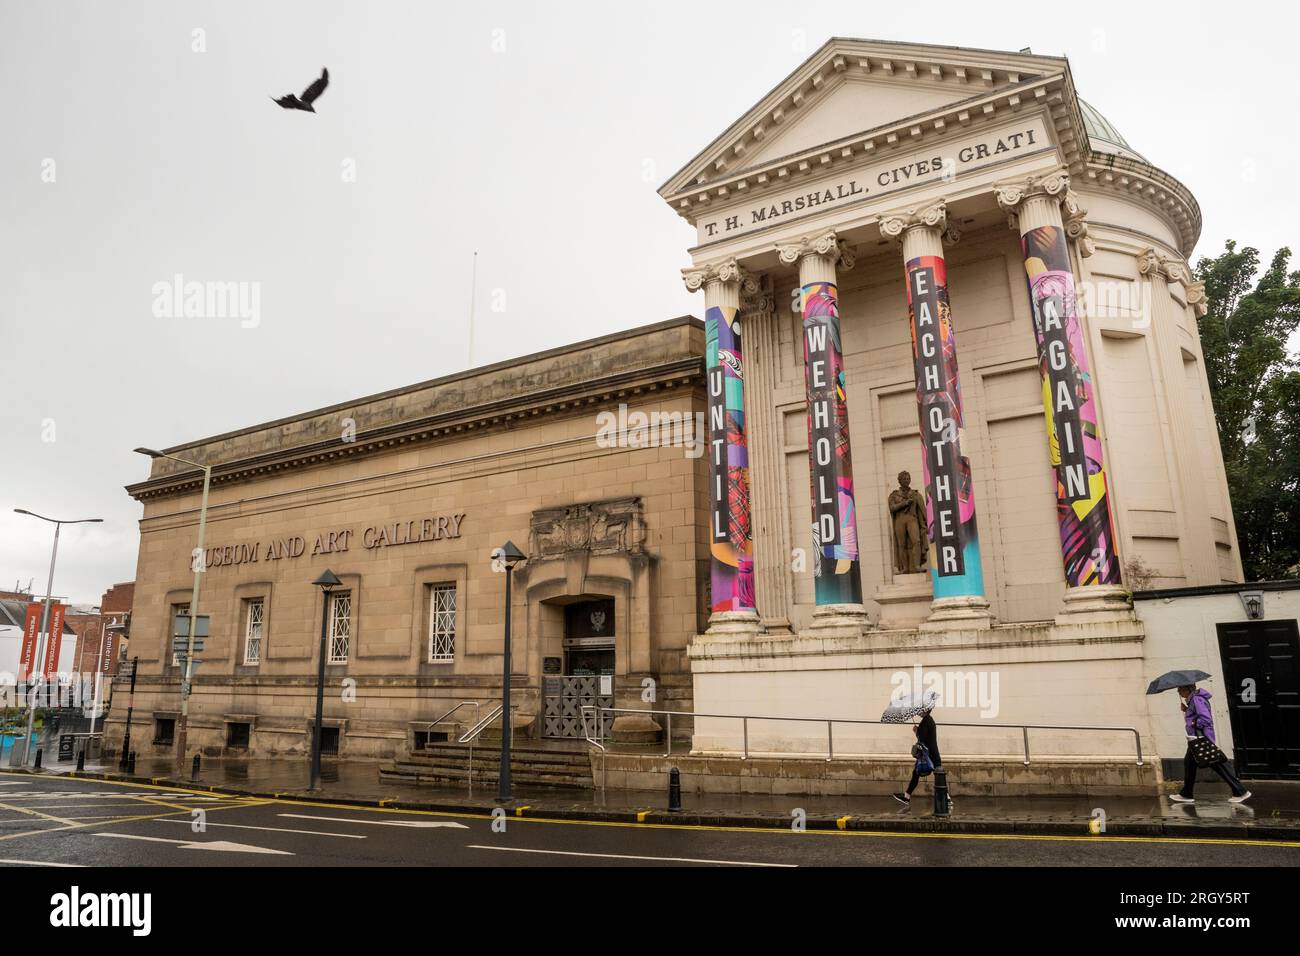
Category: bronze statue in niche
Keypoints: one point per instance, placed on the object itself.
(909, 526)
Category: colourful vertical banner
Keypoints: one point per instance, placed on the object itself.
(830, 460)
(1088, 546)
(955, 568)
(31, 631)
(53, 640)
(730, 532)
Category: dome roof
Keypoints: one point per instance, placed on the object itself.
(1105, 138)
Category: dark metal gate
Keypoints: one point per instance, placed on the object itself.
(565, 696)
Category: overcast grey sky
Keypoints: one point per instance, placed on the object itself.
(535, 133)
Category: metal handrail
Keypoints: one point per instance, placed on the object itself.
(476, 704)
(473, 733)
(597, 711)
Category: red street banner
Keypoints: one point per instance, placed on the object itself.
(53, 640)
(31, 627)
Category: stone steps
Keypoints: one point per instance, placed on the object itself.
(443, 763)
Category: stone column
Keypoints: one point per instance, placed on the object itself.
(1200, 556)
(956, 572)
(731, 543)
(834, 517)
(1089, 550)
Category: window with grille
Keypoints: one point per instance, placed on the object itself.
(253, 631)
(340, 629)
(442, 624)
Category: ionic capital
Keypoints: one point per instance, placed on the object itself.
(1196, 299)
(1150, 262)
(826, 244)
(724, 270)
(934, 216)
(756, 295)
(1055, 186)
(1010, 196)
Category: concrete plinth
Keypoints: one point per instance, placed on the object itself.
(906, 601)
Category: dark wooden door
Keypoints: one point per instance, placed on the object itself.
(1261, 664)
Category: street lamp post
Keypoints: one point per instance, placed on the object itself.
(325, 582)
(197, 563)
(38, 661)
(509, 555)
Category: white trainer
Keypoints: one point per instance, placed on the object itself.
(1241, 799)
(1179, 798)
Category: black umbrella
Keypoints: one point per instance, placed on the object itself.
(1176, 679)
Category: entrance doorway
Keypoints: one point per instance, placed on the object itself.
(1261, 664)
(588, 669)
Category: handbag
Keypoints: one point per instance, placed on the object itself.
(1205, 751)
(924, 765)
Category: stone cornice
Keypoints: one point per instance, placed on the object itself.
(997, 81)
(825, 244)
(512, 412)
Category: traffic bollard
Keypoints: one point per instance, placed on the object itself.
(674, 791)
(941, 807)
(130, 764)
(38, 758)
(81, 760)
(194, 769)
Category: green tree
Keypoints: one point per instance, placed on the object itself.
(1255, 386)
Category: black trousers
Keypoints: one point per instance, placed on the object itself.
(1189, 776)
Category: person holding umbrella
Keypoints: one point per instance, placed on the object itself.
(926, 749)
(1202, 748)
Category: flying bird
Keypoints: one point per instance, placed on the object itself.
(309, 95)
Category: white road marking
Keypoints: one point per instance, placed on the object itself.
(245, 826)
(38, 863)
(192, 845)
(625, 856)
(418, 824)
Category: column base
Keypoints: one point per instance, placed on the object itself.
(969, 612)
(838, 620)
(905, 602)
(1096, 603)
(734, 625)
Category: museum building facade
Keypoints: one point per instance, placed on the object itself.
(884, 203)
(584, 456)
(943, 262)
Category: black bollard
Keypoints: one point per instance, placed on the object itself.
(941, 807)
(81, 760)
(194, 769)
(674, 791)
(38, 758)
(130, 764)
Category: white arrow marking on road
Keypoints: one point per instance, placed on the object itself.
(421, 824)
(625, 856)
(38, 863)
(190, 845)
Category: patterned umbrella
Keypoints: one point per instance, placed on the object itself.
(904, 708)
(1172, 679)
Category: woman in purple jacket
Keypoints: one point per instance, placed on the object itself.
(1200, 723)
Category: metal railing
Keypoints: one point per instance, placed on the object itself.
(471, 735)
(476, 704)
(596, 711)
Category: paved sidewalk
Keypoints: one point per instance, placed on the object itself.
(1272, 814)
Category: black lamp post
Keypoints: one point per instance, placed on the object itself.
(509, 555)
(325, 582)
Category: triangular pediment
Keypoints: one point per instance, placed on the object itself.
(851, 86)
